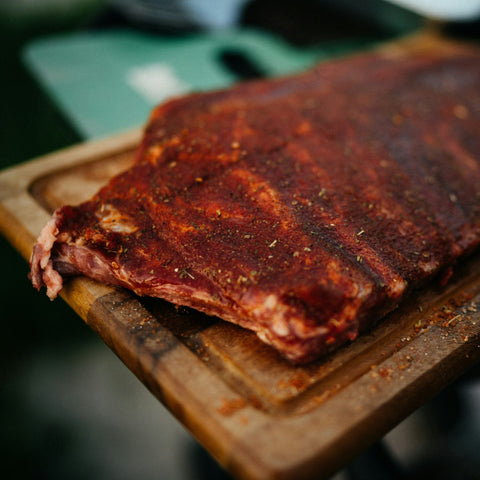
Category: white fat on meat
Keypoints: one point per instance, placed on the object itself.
(112, 219)
(42, 271)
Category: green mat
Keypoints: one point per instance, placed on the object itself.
(107, 82)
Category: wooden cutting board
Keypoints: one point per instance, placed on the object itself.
(259, 416)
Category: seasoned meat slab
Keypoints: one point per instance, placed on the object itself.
(303, 208)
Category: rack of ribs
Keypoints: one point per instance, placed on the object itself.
(303, 208)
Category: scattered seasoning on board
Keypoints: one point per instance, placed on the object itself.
(229, 407)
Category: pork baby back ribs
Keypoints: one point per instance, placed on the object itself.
(303, 208)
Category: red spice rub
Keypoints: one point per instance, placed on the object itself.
(303, 208)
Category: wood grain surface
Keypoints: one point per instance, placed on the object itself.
(258, 415)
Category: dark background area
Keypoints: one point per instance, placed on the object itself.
(45, 343)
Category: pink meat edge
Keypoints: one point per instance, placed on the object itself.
(42, 273)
